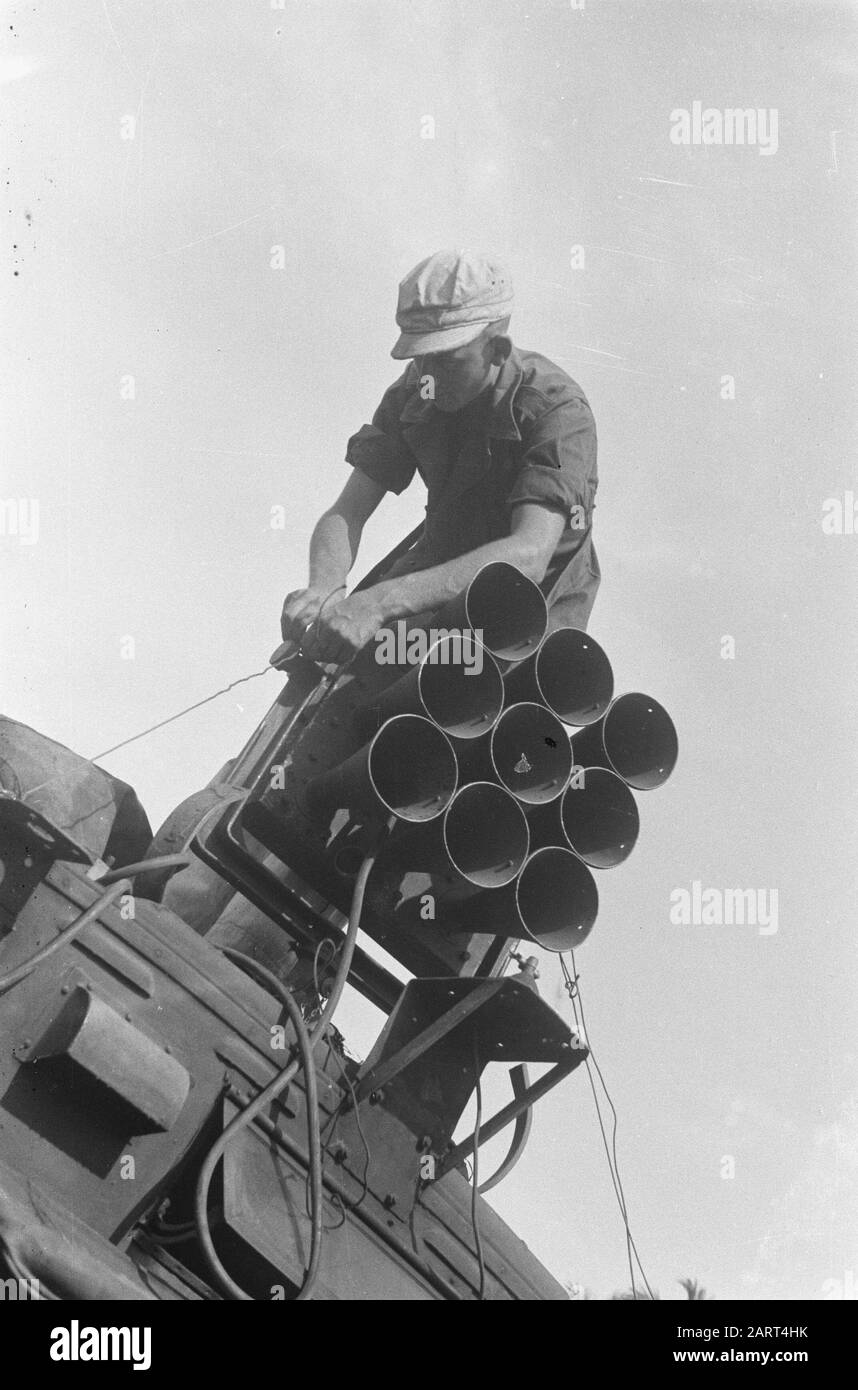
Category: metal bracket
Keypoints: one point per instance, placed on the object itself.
(34, 827)
(520, 1081)
(440, 1036)
(510, 1112)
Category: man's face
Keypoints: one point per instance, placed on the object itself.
(460, 375)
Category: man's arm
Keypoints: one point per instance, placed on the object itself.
(530, 545)
(348, 625)
(333, 550)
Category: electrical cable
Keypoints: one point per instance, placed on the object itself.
(68, 934)
(279, 1083)
(145, 866)
(325, 941)
(244, 1117)
(574, 991)
(475, 1175)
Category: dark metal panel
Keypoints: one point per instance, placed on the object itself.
(355, 1265)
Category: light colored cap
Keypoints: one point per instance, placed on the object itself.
(448, 299)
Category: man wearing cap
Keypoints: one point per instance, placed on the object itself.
(505, 443)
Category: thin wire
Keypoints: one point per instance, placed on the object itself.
(475, 1175)
(254, 675)
(360, 1128)
(614, 1144)
(94, 758)
(574, 992)
(298, 642)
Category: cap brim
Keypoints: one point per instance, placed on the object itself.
(443, 340)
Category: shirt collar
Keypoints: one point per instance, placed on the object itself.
(501, 420)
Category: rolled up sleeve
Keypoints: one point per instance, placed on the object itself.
(378, 450)
(558, 466)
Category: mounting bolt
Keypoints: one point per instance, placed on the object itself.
(339, 1152)
(376, 1097)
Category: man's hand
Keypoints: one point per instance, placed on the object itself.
(344, 628)
(301, 608)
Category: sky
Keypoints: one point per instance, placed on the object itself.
(207, 212)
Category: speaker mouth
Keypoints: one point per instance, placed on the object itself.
(557, 899)
(573, 676)
(507, 609)
(481, 841)
(639, 741)
(457, 684)
(407, 770)
(599, 818)
(530, 753)
(412, 768)
(485, 835)
(461, 700)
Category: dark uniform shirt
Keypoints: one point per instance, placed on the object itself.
(530, 438)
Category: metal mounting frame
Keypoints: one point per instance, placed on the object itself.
(500, 1019)
(220, 846)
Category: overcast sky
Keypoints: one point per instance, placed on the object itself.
(701, 294)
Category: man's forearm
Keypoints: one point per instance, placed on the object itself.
(333, 549)
(415, 593)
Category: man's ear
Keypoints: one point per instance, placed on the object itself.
(501, 349)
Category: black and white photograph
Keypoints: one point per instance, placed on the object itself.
(428, 651)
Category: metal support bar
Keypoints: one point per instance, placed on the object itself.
(277, 724)
(510, 1112)
(283, 906)
(421, 1042)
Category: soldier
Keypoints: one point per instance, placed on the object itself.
(505, 443)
